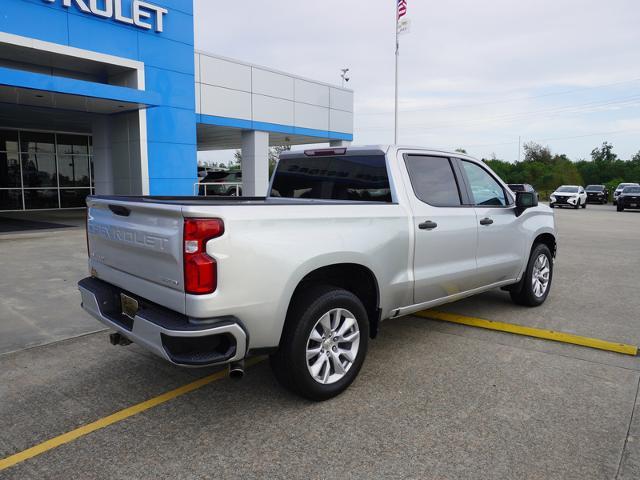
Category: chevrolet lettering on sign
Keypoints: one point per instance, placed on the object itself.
(142, 13)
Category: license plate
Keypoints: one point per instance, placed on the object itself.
(129, 306)
(634, 205)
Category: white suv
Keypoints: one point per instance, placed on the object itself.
(568, 196)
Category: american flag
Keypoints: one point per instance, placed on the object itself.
(402, 8)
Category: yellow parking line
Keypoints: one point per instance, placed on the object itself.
(114, 418)
(531, 332)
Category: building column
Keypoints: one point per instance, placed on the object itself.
(255, 163)
(102, 155)
(339, 143)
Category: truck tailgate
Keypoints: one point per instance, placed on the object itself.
(138, 246)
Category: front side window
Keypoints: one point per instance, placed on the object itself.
(433, 180)
(486, 191)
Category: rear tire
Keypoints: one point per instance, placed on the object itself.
(292, 364)
(528, 292)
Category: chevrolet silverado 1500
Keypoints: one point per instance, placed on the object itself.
(347, 238)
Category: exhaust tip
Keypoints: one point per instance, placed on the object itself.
(236, 370)
(119, 339)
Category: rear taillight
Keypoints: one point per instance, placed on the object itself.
(200, 270)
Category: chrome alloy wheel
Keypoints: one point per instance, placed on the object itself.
(540, 275)
(332, 346)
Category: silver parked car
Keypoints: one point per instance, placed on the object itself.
(347, 238)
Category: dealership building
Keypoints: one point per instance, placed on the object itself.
(111, 97)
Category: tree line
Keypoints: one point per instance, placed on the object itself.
(547, 171)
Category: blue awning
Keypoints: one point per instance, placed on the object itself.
(29, 88)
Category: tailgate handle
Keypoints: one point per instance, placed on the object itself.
(120, 210)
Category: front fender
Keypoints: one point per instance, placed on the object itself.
(536, 222)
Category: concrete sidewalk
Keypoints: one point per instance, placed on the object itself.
(40, 302)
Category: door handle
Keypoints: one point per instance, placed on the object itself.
(428, 225)
(486, 221)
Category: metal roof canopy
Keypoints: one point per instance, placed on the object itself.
(62, 101)
(214, 137)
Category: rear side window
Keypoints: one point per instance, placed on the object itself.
(353, 177)
(433, 180)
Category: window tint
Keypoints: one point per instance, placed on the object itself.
(8, 141)
(484, 188)
(9, 170)
(433, 180)
(73, 144)
(354, 177)
(37, 142)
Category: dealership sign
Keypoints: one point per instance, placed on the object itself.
(142, 14)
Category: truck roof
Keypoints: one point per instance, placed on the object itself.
(379, 148)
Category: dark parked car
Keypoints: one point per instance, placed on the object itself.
(619, 189)
(597, 194)
(521, 187)
(629, 198)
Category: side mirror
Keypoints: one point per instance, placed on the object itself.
(525, 200)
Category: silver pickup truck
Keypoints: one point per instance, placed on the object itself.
(347, 237)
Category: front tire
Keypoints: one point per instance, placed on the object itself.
(536, 282)
(619, 207)
(584, 205)
(323, 344)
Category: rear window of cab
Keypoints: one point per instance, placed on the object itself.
(353, 177)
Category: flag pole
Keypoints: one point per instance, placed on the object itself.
(395, 134)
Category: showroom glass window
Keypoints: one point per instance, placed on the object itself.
(44, 170)
(10, 176)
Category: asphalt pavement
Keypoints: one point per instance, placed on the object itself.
(434, 400)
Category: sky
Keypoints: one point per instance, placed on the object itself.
(473, 75)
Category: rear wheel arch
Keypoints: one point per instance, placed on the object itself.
(353, 277)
